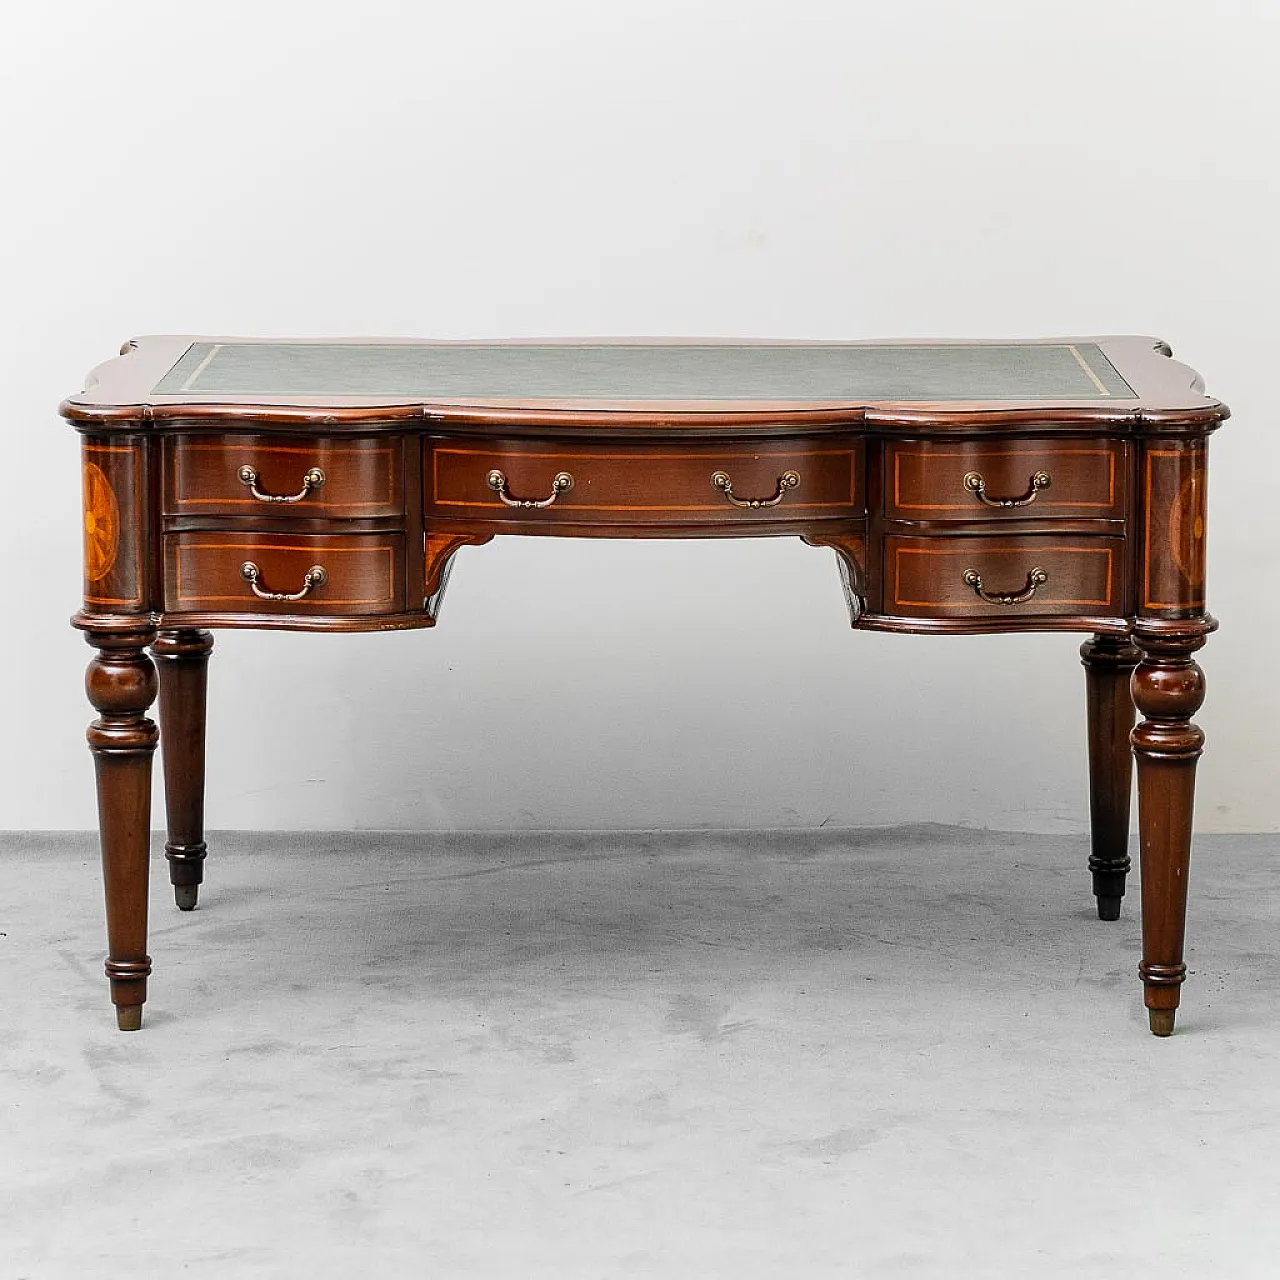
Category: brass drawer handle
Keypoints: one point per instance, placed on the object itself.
(978, 486)
(312, 480)
(787, 480)
(316, 577)
(497, 481)
(1036, 578)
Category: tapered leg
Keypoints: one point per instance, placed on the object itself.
(121, 684)
(1108, 663)
(183, 660)
(1168, 687)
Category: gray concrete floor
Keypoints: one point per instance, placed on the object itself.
(905, 1053)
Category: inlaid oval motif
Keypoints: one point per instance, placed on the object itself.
(1186, 528)
(101, 524)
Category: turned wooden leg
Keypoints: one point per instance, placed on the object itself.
(183, 660)
(1168, 687)
(1108, 663)
(121, 684)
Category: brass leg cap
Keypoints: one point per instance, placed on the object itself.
(185, 895)
(129, 1017)
(1161, 1021)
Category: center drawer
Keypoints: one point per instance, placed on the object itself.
(539, 483)
(1005, 479)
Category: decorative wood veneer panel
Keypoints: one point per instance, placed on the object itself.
(115, 523)
(366, 572)
(924, 577)
(364, 478)
(644, 484)
(925, 479)
(1174, 524)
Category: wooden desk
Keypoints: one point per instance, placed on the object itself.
(964, 487)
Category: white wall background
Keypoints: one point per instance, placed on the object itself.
(505, 168)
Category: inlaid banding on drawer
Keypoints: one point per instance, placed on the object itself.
(645, 485)
(982, 480)
(1030, 576)
(362, 573)
(306, 478)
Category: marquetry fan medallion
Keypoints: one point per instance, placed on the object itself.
(1186, 529)
(101, 524)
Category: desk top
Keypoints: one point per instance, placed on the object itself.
(636, 382)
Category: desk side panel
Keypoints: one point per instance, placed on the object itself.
(117, 486)
(1173, 480)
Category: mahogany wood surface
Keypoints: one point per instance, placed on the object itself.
(1081, 507)
(121, 684)
(1109, 662)
(1169, 396)
(363, 477)
(925, 577)
(364, 572)
(629, 485)
(182, 660)
(1168, 687)
(1086, 479)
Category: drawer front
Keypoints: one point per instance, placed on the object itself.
(985, 480)
(1019, 577)
(362, 573)
(635, 485)
(362, 478)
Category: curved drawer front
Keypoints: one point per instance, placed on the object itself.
(1032, 576)
(362, 573)
(649, 485)
(984, 480)
(361, 478)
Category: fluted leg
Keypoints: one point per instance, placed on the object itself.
(1168, 687)
(1108, 663)
(121, 684)
(183, 660)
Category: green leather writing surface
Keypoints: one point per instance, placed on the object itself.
(485, 372)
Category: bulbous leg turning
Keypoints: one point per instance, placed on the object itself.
(1168, 688)
(121, 685)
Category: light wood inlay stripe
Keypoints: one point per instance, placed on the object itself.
(1195, 601)
(318, 554)
(713, 461)
(1093, 377)
(130, 492)
(201, 367)
(1037, 455)
(303, 453)
(958, 553)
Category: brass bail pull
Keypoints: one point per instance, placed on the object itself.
(977, 486)
(787, 480)
(315, 577)
(313, 479)
(497, 481)
(1036, 578)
